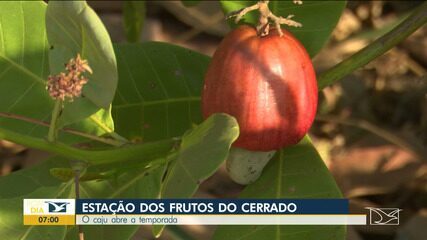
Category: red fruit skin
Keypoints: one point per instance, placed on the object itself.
(267, 83)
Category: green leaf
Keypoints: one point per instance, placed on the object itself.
(295, 172)
(11, 220)
(23, 64)
(317, 17)
(102, 119)
(36, 182)
(158, 92)
(24, 70)
(158, 95)
(133, 16)
(136, 183)
(201, 153)
(72, 28)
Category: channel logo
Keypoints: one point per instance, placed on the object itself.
(57, 207)
(384, 216)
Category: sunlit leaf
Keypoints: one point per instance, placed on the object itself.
(24, 70)
(74, 28)
(201, 153)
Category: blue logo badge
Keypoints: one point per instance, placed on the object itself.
(57, 207)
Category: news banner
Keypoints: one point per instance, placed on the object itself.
(190, 212)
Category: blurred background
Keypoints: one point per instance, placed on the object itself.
(371, 128)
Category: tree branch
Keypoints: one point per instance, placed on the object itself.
(53, 127)
(143, 152)
(68, 130)
(417, 19)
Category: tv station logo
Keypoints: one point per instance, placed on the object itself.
(384, 216)
(57, 207)
(49, 211)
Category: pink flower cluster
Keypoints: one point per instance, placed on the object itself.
(66, 86)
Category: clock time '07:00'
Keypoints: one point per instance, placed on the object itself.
(48, 219)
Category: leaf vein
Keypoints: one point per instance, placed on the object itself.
(1, 39)
(164, 101)
(23, 69)
(21, 97)
(182, 74)
(64, 29)
(155, 72)
(131, 76)
(23, 34)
